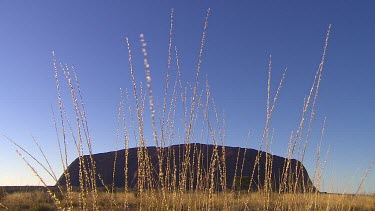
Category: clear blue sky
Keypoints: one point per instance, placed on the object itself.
(241, 35)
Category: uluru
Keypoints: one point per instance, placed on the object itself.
(193, 166)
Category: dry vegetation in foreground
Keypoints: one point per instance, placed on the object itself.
(184, 117)
(40, 200)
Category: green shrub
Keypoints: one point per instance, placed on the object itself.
(3, 193)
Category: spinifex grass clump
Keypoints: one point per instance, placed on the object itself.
(188, 175)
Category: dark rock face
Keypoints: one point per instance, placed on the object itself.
(297, 177)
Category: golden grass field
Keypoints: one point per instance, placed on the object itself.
(40, 200)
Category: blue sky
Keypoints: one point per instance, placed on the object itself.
(241, 35)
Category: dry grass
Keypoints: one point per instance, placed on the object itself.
(37, 200)
(185, 117)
